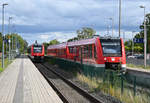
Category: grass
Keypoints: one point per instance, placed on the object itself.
(115, 90)
(97, 84)
(6, 64)
(137, 66)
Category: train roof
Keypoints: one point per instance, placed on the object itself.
(35, 44)
(79, 42)
(58, 46)
(82, 42)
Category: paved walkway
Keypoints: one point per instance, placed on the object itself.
(21, 82)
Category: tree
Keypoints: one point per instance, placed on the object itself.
(85, 32)
(138, 48)
(55, 41)
(18, 41)
(141, 34)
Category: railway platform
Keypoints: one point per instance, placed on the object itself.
(21, 82)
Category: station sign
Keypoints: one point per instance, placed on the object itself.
(138, 40)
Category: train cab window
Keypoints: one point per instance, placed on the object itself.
(37, 48)
(111, 47)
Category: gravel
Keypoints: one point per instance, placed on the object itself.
(98, 94)
(72, 95)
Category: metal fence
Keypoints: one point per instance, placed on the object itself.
(111, 82)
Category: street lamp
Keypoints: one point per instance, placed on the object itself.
(9, 35)
(112, 25)
(145, 37)
(119, 16)
(108, 29)
(3, 5)
(132, 42)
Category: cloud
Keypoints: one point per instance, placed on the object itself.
(47, 36)
(44, 37)
(64, 36)
(63, 16)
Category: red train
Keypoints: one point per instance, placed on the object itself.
(36, 52)
(108, 53)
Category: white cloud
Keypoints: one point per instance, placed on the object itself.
(44, 37)
(54, 19)
(73, 12)
(64, 36)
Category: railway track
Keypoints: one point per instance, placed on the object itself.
(67, 90)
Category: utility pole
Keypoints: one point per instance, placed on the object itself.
(145, 38)
(124, 36)
(9, 37)
(119, 16)
(132, 42)
(108, 30)
(112, 25)
(3, 56)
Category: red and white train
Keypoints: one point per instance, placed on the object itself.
(36, 52)
(108, 53)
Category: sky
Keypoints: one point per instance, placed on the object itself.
(45, 20)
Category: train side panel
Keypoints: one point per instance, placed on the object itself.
(93, 52)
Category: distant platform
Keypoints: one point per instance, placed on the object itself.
(21, 82)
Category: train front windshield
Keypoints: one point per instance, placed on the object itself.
(111, 47)
(37, 49)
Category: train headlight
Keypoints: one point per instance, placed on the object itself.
(105, 59)
(113, 59)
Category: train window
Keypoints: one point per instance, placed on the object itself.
(111, 47)
(70, 49)
(95, 54)
(87, 51)
(37, 49)
(73, 50)
(61, 52)
(90, 51)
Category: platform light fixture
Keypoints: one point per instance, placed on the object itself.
(145, 37)
(9, 40)
(112, 24)
(119, 17)
(3, 56)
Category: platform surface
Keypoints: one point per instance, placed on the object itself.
(21, 82)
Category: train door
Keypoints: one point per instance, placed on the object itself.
(81, 53)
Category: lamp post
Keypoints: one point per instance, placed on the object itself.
(132, 42)
(119, 16)
(145, 38)
(112, 25)
(124, 36)
(9, 36)
(108, 29)
(3, 5)
(13, 41)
